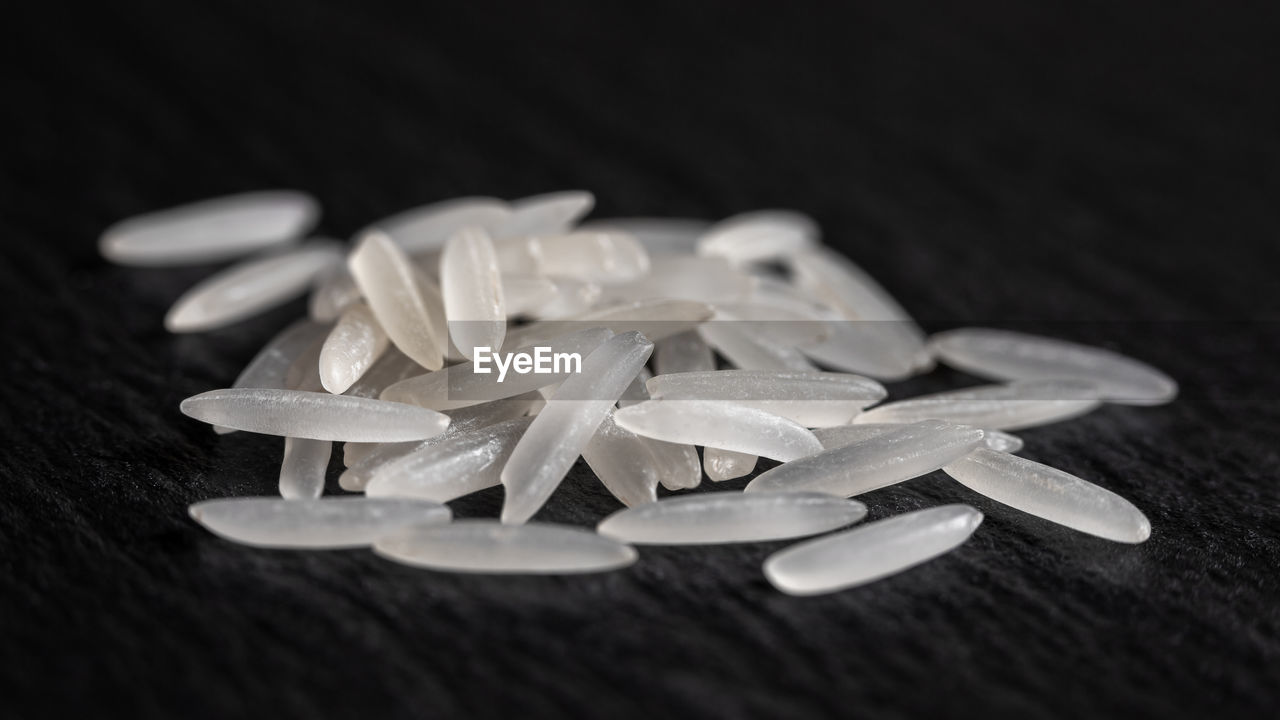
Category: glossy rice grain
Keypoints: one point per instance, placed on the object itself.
(731, 517)
(572, 415)
(760, 235)
(1017, 405)
(908, 452)
(426, 229)
(812, 399)
(335, 291)
(659, 235)
(313, 524)
(602, 257)
(720, 424)
(391, 285)
(210, 230)
(1005, 355)
(351, 349)
(485, 546)
(685, 277)
(547, 214)
(314, 415)
(250, 287)
(655, 319)
(457, 465)
(302, 472)
(623, 463)
(471, 286)
(1051, 494)
(872, 551)
(721, 465)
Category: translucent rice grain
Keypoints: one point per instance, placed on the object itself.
(393, 289)
(484, 546)
(353, 346)
(304, 373)
(658, 235)
(314, 415)
(834, 280)
(841, 435)
(210, 230)
(636, 392)
(684, 277)
(303, 470)
(602, 257)
(460, 385)
(911, 451)
(730, 517)
(472, 289)
(548, 214)
(722, 465)
(683, 352)
(270, 366)
(1004, 355)
(1051, 494)
(655, 319)
(1001, 441)
(759, 236)
(623, 463)
(313, 524)
(526, 294)
(425, 229)
(390, 368)
(861, 348)
(1021, 404)
(457, 465)
(748, 351)
(677, 463)
(561, 431)
(812, 399)
(872, 551)
(572, 298)
(368, 463)
(720, 424)
(335, 291)
(250, 287)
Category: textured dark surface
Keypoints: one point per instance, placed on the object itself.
(1105, 172)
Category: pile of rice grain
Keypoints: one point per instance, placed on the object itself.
(388, 363)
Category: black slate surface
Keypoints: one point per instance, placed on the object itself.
(1105, 172)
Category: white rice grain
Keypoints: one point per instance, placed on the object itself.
(210, 230)
(870, 552)
(457, 465)
(720, 424)
(250, 287)
(730, 517)
(1005, 355)
(572, 416)
(760, 235)
(314, 415)
(1051, 494)
(394, 290)
(425, 229)
(812, 399)
(471, 286)
(313, 524)
(485, 546)
(351, 349)
(911, 451)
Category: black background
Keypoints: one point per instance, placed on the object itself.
(1102, 171)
